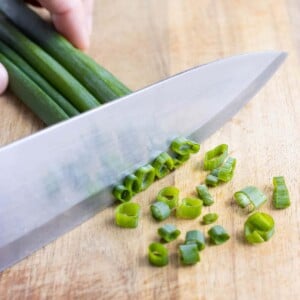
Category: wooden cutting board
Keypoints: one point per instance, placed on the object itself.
(145, 41)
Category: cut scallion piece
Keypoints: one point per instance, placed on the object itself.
(189, 254)
(195, 237)
(210, 218)
(204, 195)
(169, 195)
(132, 183)
(225, 172)
(158, 255)
(190, 208)
(218, 235)
(168, 232)
(281, 197)
(160, 211)
(215, 157)
(250, 198)
(259, 228)
(122, 193)
(184, 146)
(146, 176)
(211, 180)
(163, 165)
(127, 214)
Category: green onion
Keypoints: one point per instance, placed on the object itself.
(204, 195)
(281, 197)
(32, 95)
(18, 61)
(215, 157)
(211, 180)
(225, 172)
(158, 255)
(160, 211)
(52, 71)
(122, 193)
(195, 237)
(168, 232)
(163, 164)
(189, 254)
(250, 197)
(183, 146)
(132, 183)
(259, 228)
(127, 214)
(210, 218)
(190, 208)
(146, 176)
(179, 160)
(218, 235)
(102, 84)
(169, 195)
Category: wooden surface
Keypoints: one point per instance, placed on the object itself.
(145, 41)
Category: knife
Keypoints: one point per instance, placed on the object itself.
(59, 177)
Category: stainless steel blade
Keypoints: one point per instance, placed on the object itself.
(59, 177)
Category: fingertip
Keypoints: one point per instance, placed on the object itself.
(3, 79)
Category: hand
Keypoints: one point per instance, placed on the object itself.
(72, 18)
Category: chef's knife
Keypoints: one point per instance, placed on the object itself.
(57, 178)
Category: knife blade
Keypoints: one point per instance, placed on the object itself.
(59, 177)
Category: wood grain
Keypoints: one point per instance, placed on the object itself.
(145, 41)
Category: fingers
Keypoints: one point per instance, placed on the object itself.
(69, 18)
(3, 79)
(89, 4)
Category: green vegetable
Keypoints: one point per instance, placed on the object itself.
(218, 235)
(259, 228)
(122, 193)
(18, 61)
(204, 195)
(211, 180)
(146, 176)
(168, 232)
(225, 172)
(210, 218)
(179, 160)
(127, 214)
(250, 197)
(189, 254)
(98, 81)
(195, 237)
(215, 157)
(169, 195)
(158, 255)
(190, 208)
(132, 183)
(52, 71)
(281, 197)
(183, 146)
(163, 164)
(160, 211)
(32, 95)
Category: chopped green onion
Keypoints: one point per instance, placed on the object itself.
(168, 232)
(225, 172)
(211, 180)
(204, 195)
(259, 228)
(158, 255)
(163, 164)
(169, 195)
(210, 218)
(190, 208)
(218, 235)
(215, 157)
(132, 183)
(179, 160)
(195, 237)
(127, 214)
(281, 197)
(146, 176)
(189, 254)
(250, 197)
(122, 193)
(160, 211)
(184, 146)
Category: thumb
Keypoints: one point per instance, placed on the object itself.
(3, 79)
